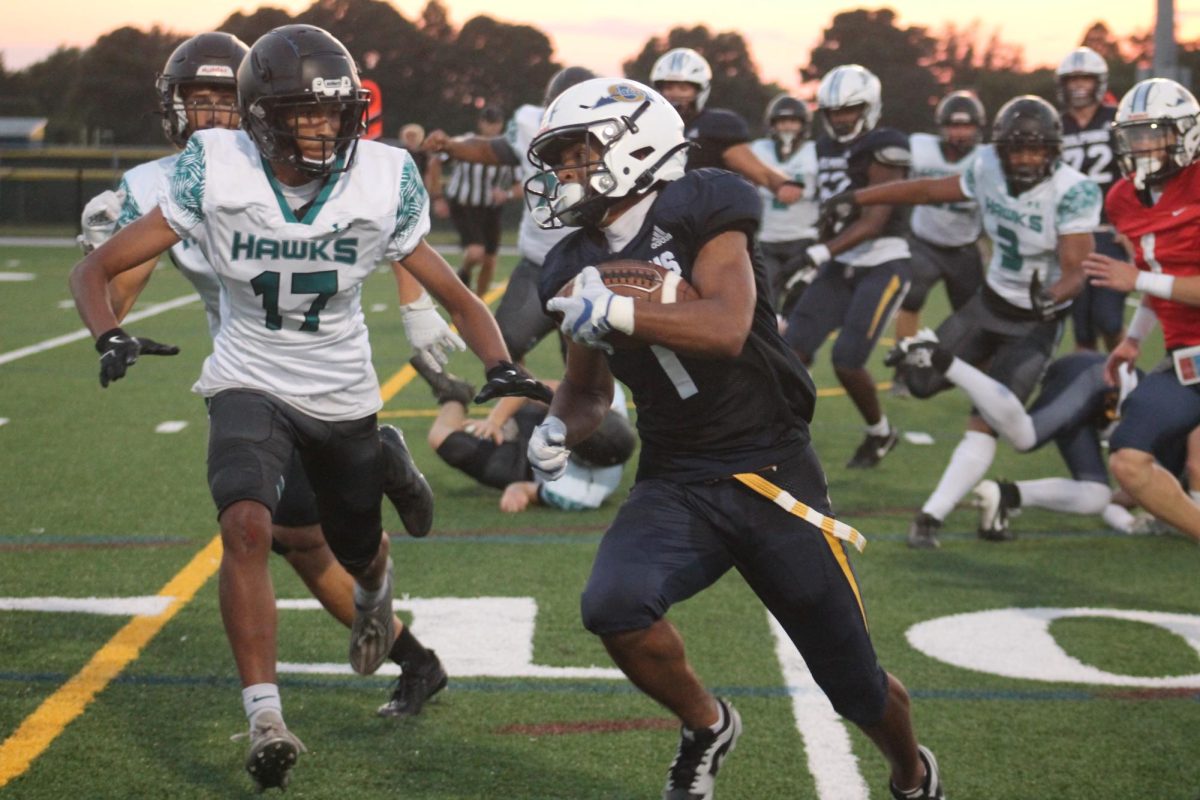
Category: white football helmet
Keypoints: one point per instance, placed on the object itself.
(1082, 61)
(635, 139)
(1157, 131)
(686, 65)
(844, 87)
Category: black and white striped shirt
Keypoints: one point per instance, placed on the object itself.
(473, 184)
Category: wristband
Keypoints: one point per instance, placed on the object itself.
(1155, 283)
(422, 303)
(1142, 322)
(103, 339)
(620, 314)
(818, 254)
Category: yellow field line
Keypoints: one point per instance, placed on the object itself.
(43, 726)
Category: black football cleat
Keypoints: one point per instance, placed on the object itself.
(700, 755)
(998, 502)
(447, 388)
(404, 484)
(414, 687)
(922, 533)
(873, 449)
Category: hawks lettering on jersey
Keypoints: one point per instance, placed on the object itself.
(1166, 238)
(712, 132)
(844, 165)
(292, 322)
(1025, 230)
(782, 222)
(701, 418)
(1089, 149)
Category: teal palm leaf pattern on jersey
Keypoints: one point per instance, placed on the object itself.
(1078, 202)
(187, 183)
(129, 208)
(413, 206)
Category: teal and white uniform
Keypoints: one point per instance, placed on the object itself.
(1025, 229)
(143, 185)
(781, 222)
(290, 301)
(944, 224)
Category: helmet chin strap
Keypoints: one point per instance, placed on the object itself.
(786, 141)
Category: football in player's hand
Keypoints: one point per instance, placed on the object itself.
(641, 280)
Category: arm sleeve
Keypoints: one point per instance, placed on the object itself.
(1079, 209)
(412, 214)
(182, 203)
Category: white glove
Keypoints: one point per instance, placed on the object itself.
(429, 335)
(547, 453)
(99, 220)
(592, 311)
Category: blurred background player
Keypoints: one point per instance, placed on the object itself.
(1087, 115)
(863, 266)
(1039, 214)
(522, 322)
(493, 450)
(473, 196)
(1156, 206)
(943, 238)
(787, 229)
(719, 137)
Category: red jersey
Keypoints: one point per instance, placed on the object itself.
(1166, 238)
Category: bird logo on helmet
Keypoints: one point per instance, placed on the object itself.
(1086, 62)
(298, 70)
(1157, 131)
(1027, 123)
(849, 86)
(684, 65)
(206, 59)
(632, 140)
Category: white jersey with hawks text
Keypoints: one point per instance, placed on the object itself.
(1025, 230)
(292, 322)
(944, 224)
(533, 242)
(782, 222)
(143, 185)
(1089, 148)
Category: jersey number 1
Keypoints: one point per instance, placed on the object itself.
(322, 284)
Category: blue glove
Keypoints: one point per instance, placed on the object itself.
(592, 311)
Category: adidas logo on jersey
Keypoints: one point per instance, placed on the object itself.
(261, 248)
(658, 238)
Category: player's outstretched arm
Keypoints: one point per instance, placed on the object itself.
(741, 159)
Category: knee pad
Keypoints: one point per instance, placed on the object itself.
(604, 612)
(862, 705)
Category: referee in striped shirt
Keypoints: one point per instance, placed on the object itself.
(473, 196)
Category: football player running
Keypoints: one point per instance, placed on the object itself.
(944, 238)
(197, 91)
(1088, 146)
(520, 316)
(1039, 214)
(1156, 205)
(787, 230)
(719, 137)
(727, 475)
(292, 214)
(863, 267)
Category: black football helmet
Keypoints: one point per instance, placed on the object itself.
(209, 59)
(782, 107)
(288, 69)
(564, 79)
(1024, 122)
(960, 108)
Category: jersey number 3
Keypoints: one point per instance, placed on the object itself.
(322, 284)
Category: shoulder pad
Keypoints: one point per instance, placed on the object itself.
(721, 123)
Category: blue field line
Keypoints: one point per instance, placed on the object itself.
(518, 686)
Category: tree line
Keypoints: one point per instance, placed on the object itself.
(432, 73)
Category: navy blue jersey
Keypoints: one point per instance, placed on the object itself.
(701, 418)
(712, 132)
(843, 165)
(1090, 149)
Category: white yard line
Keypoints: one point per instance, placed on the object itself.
(83, 333)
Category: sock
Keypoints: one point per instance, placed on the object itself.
(366, 597)
(1064, 494)
(996, 404)
(881, 428)
(259, 698)
(720, 723)
(967, 466)
(407, 650)
(1118, 518)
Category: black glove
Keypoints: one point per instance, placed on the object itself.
(836, 213)
(118, 350)
(1042, 303)
(507, 379)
